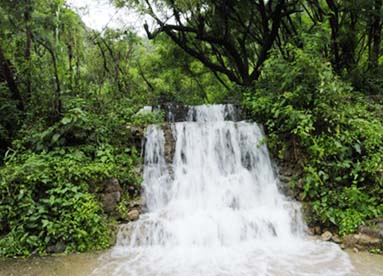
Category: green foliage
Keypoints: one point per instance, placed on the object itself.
(45, 200)
(334, 133)
(45, 184)
(9, 120)
(122, 206)
(145, 118)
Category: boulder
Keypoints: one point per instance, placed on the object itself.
(170, 144)
(59, 247)
(326, 236)
(133, 215)
(174, 112)
(335, 238)
(111, 186)
(373, 230)
(369, 236)
(110, 201)
(316, 230)
(361, 241)
(110, 195)
(135, 136)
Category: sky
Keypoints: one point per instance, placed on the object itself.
(97, 14)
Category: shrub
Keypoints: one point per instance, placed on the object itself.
(334, 133)
(47, 177)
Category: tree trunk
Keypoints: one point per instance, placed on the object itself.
(376, 31)
(57, 101)
(28, 46)
(334, 25)
(5, 69)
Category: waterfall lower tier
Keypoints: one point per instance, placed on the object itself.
(217, 210)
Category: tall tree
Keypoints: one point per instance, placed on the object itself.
(6, 73)
(355, 27)
(229, 37)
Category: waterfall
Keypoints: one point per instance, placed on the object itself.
(217, 209)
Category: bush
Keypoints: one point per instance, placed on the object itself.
(45, 183)
(45, 200)
(334, 133)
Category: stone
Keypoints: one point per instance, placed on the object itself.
(59, 247)
(145, 110)
(361, 241)
(335, 238)
(326, 236)
(170, 144)
(374, 230)
(110, 201)
(136, 203)
(110, 193)
(311, 231)
(367, 240)
(356, 250)
(111, 185)
(133, 215)
(284, 179)
(135, 136)
(316, 230)
(175, 112)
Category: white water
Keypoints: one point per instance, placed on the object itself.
(218, 211)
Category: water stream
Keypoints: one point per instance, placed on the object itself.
(217, 210)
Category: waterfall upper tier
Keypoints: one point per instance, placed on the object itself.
(175, 112)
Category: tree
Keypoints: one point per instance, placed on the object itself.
(355, 30)
(232, 38)
(6, 73)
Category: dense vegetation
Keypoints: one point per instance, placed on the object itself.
(67, 94)
(333, 133)
(310, 71)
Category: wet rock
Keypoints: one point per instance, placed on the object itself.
(284, 185)
(133, 215)
(136, 136)
(137, 203)
(125, 233)
(175, 112)
(361, 241)
(374, 229)
(110, 195)
(59, 247)
(170, 144)
(285, 179)
(110, 201)
(335, 238)
(316, 230)
(326, 236)
(367, 240)
(111, 185)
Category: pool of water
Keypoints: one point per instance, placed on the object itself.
(365, 264)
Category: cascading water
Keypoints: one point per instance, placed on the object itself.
(217, 209)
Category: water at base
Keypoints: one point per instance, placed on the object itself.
(217, 209)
